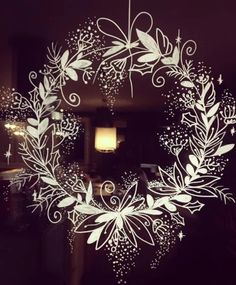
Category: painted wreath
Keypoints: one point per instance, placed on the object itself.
(119, 225)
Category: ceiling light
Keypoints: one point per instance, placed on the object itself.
(105, 139)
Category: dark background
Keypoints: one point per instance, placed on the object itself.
(33, 251)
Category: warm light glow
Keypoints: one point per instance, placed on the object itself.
(19, 133)
(15, 128)
(10, 126)
(105, 139)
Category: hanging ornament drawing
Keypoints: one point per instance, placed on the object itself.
(121, 224)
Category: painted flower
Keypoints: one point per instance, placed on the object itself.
(122, 43)
(157, 49)
(129, 220)
(69, 68)
(229, 115)
(186, 181)
(188, 100)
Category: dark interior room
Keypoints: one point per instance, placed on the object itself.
(117, 142)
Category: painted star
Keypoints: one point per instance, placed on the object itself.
(181, 235)
(220, 79)
(178, 39)
(233, 131)
(8, 154)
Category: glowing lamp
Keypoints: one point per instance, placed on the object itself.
(105, 139)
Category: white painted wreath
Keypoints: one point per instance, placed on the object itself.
(125, 222)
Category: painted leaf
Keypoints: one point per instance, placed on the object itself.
(106, 217)
(79, 197)
(202, 170)
(119, 222)
(194, 207)
(95, 235)
(199, 107)
(194, 148)
(113, 50)
(80, 64)
(172, 60)
(46, 83)
(49, 180)
(150, 201)
(105, 236)
(187, 84)
(166, 178)
(204, 180)
(55, 158)
(41, 91)
(183, 198)
(129, 195)
(79, 56)
(179, 180)
(190, 169)
(179, 219)
(89, 193)
(134, 45)
(43, 125)
(152, 212)
(163, 42)
(210, 95)
(64, 58)
(50, 100)
(87, 209)
(88, 226)
(224, 149)
(203, 191)
(211, 121)
(198, 141)
(149, 57)
(213, 110)
(118, 43)
(189, 119)
(32, 122)
(167, 60)
(202, 152)
(175, 56)
(128, 210)
(143, 69)
(66, 202)
(170, 207)
(193, 159)
(160, 202)
(205, 120)
(142, 232)
(205, 89)
(72, 73)
(20, 102)
(147, 41)
(187, 180)
(32, 131)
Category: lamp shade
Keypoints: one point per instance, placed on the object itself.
(105, 139)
